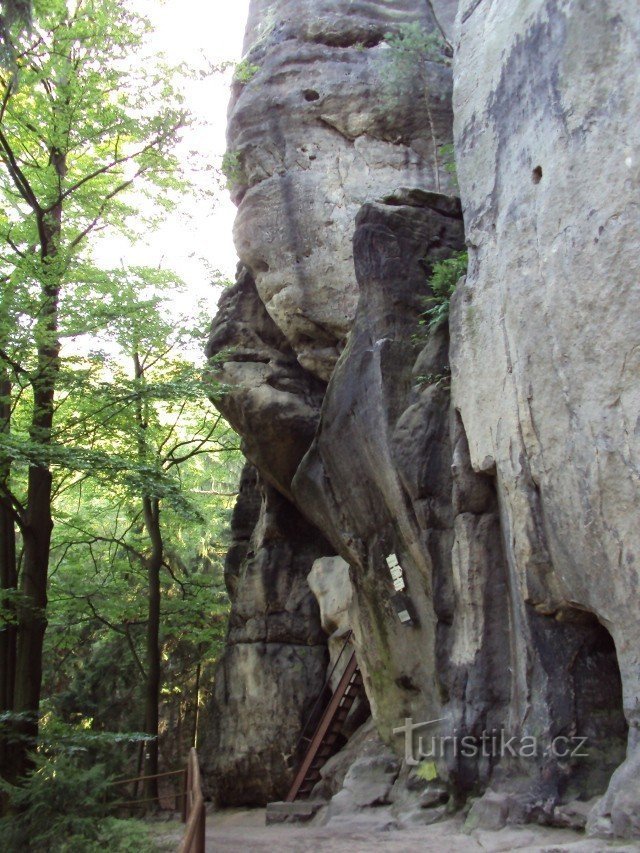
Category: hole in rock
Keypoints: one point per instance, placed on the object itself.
(596, 691)
(536, 175)
(311, 95)
(261, 266)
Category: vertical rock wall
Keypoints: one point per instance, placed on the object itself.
(545, 330)
(275, 658)
(326, 123)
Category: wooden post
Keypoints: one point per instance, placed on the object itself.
(199, 846)
(185, 794)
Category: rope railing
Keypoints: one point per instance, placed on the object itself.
(177, 796)
(193, 841)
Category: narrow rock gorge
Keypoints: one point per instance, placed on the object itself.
(495, 455)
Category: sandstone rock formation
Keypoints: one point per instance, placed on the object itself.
(275, 661)
(327, 122)
(545, 330)
(507, 488)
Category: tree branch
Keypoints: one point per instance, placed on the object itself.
(19, 179)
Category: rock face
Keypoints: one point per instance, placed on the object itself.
(328, 121)
(495, 456)
(545, 331)
(272, 401)
(379, 426)
(275, 660)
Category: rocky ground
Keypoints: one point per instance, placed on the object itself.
(245, 831)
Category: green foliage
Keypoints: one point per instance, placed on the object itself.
(14, 15)
(412, 45)
(60, 809)
(232, 169)
(84, 122)
(245, 71)
(411, 49)
(442, 282)
(134, 433)
(440, 380)
(447, 154)
(427, 770)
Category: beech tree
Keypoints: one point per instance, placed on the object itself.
(147, 447)
(78, 128)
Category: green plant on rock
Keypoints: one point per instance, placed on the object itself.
(447, 154)
(245, 71)
(411, 49)
(232, 169)
(442, 282)
(427, 771)
(417, 45)
(440, 380)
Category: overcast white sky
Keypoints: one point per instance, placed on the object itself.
(198, 32)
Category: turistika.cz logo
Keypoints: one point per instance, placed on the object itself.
(493, 744)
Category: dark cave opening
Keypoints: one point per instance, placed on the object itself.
(584, 700)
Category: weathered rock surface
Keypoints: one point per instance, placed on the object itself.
(270, 400)
(275, 661)
(510, 498)
(327, 123)
(331, 585)
(377, 425)
(545, 331)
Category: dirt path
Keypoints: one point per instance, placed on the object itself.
(245, 832)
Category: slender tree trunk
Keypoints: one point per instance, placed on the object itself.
(434, 141)
(8, 583)
(139, 764)
(152, 693)
(8, 633)
(151, 515)
(38, 522)
(196, 706)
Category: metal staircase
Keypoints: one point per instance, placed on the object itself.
(324, 742)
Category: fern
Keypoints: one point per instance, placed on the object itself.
(444, 277)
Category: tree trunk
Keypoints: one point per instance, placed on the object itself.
(151, 515)
(152, 692)
(9, 583)
(196, 705)
(38, 522)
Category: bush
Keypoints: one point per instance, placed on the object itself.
(60, 808)
(232, 169)
(245, 71)
(442, 281)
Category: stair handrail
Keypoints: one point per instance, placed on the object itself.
(325, 722)
(326, 684)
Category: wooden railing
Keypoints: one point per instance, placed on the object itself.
(179, 796)
(193, 841)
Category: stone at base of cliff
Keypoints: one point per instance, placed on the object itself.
(573, 815)
(299, 812)
(493, 811)
(618, 812)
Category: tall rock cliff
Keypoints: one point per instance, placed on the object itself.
(545, 331)
(493, 456)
